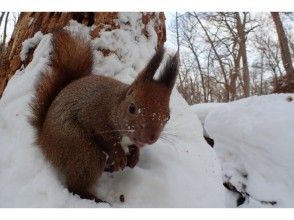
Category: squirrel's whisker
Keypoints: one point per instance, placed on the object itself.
(168, 133)
(166, 139)
(110, 131)
(173, 138)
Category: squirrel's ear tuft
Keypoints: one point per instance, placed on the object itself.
(170, 71)
(150, 70)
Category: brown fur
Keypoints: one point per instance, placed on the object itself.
(71, 59)
(80, 118)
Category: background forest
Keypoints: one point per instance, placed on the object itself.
(228, 56)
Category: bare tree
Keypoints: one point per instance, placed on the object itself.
(243, 52)
(221, 64)
(187, 37)
(177, 30)
(271, 60)
(236, 54)
(229, 55)
(285, 52)
(5, 29)
(1, 17)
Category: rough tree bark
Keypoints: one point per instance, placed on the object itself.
(31, 22)
(283, 41)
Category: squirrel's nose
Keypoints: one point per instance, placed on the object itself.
(152, 138)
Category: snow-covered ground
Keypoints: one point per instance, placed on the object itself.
(254, 140)
(202, 110)
(180, 172)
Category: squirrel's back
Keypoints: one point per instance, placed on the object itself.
(71, 59)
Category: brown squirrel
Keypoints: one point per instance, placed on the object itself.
(81, 118)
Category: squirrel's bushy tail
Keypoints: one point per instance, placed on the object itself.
(71, 59)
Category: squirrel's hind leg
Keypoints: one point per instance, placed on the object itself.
(84, 171)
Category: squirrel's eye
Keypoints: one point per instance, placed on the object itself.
(132, 109)
(167, 118)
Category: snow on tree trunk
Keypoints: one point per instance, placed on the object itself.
(30, 23)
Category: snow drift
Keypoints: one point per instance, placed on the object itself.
(182, 171)
(202, 110)
(254, 141)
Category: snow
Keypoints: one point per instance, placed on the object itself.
(202, 110)
(254, 142)
(29, 44)
(130, 47)
(180, 171)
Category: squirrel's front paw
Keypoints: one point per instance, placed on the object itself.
(133, 156)
(117, 161)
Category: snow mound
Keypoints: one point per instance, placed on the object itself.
(254, 142)
(180, 171)
(202, 110)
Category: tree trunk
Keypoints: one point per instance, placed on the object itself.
(243, 51)
(283, 41)
(2, 45)
(31, 22)
(261, 74)
(235, 74)
(5, 29)
(177, 29)
(202, 78)
(1, 17)
(209, 90)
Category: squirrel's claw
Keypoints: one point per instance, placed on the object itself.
(133, 156)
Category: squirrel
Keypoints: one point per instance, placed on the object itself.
(81, 118)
